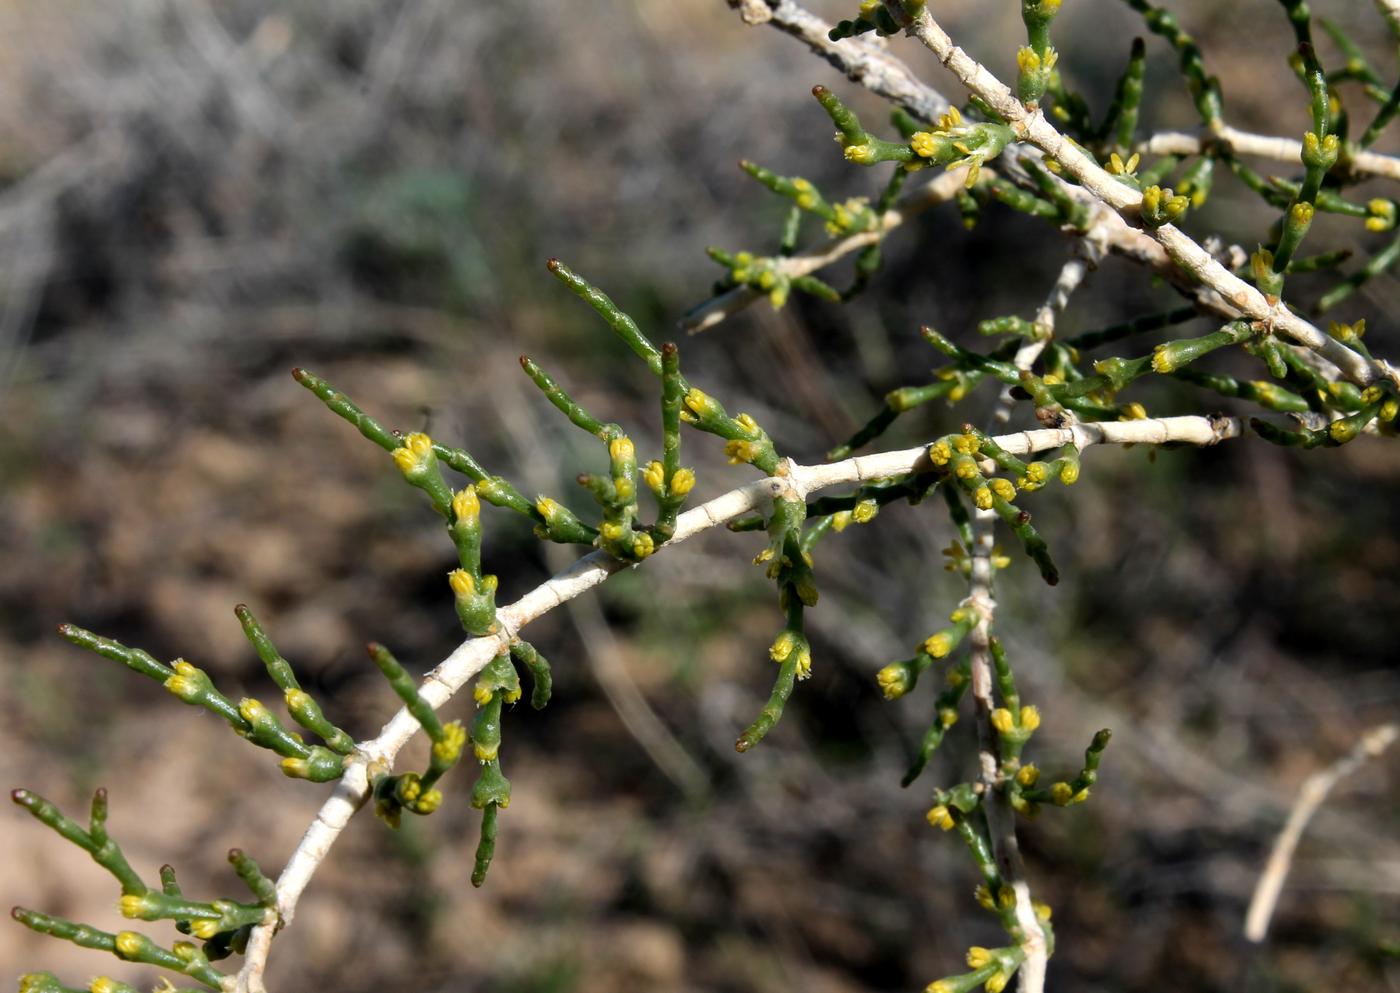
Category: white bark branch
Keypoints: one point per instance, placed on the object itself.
(1031, 126)
(1262, 146)
(1314, 791)
(376, 757)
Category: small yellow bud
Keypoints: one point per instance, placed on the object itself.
(682, 482)
(997, 982)
(1061, 794)
(204, 928)
(102, 984)
(840, 520)
(610, 531)
(782, 647)
(947, 716)
(939, 453)
(1006, 898)
(940, 817)
(548, 508)
(1134, 411)
(642, 546)
(747, 423)
(1163, 361)
(1388, 411)
(804, 663)
(699, 403)
(893, 680)
(955, 677)
(939, 645)
(482, 695)
(462, 583)
(253, 711)
(977, 957)
(864, 512)
(984, 897)
(1081, 796)
(1030, 718)
(454, 739)
(1003, 488)
(133, 904)
(966, 467)
(939, 986)
(738, 451)
(622, 449)
(1002, 721)
(624, 488)
(1028, 776)
(1026, 60)
(654, 475)
(1069, 472)
(129, 944)
(982, 498)
(465, 505)
(860, 154)
(967, 444)
(1042, 909)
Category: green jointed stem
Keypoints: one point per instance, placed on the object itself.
(957, 510)
(622, 325)
(1006, 682)
(1378, 263)
(1383, 118)
(277, 667)
(773, 709)
(565, 403)
(264, 889)
(126, 945)
(340, 404)
(486, 847)
(526, 654)
(406, 690)
(792, 229)
(104, 851)
(1205, 90)
(1264, 393)
(133, 658)
(1122, 116)
(945, 708)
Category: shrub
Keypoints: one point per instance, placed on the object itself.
(1037, 147)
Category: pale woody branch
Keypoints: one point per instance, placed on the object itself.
(1262, 146)
(377, 756)
(1031, 126)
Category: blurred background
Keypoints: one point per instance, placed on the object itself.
(197, 196)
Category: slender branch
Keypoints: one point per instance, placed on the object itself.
(717, 309)
(377, 756)
(1031, 126)
(1314, 791)
(1262, 146)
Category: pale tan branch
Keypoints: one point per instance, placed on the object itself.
(1264, 147)
(1310, 797)
(376, 757)
(1031, 126)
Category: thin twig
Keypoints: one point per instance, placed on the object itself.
(376, 757)
(1310, 797)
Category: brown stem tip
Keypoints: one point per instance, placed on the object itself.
(552, 265)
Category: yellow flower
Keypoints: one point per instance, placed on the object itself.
(997, 982)
(1061, 794)
(939, 453)
(1030, 718)
(621, 449)
(782, 646)
(864, 512)
(977, 957)
(1003, 488)
(129, 944)
(940, 817)
(938, 645)
(465, 505)
(682, 482)
(1002, 721)
(1028, 776)
(947, 717)
(462, 583)
(893, 680)
(982, 498)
